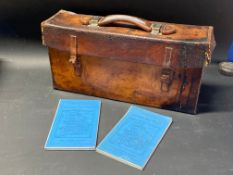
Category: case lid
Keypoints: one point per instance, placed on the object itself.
(129, 38)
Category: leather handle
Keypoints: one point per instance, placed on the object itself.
(141, 23)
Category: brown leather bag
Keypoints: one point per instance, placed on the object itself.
(128, 59)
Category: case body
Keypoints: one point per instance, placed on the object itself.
(161, 67)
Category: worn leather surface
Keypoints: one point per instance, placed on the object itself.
(128, 64)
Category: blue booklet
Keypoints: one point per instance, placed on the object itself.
(75, 125)
(135, 137)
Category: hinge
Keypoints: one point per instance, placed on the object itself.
(182, 98)
(208, 56)
(74, 58)
(43, 41)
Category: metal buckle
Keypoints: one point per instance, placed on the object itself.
(155, 28)
(94, 21)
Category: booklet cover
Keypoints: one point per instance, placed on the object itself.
(75, 125)
(135, 137)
